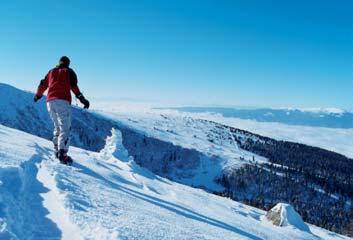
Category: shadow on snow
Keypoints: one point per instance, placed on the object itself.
(22, 203)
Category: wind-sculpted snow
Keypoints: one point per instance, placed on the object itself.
(22, 212)
(101, 197)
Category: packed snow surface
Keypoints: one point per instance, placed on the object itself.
(106, 195)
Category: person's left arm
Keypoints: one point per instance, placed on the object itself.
(76, 90)
(73, 82)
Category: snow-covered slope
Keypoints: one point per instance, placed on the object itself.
(188, 132)
(185, 148)
(175, 147)
(149, 120)
(334, 139)
(226, 144)
(104, 197)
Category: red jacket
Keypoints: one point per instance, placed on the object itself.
(59, 81)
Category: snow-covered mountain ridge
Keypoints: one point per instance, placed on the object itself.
(316, 117)
(143, 116)
(103, 197)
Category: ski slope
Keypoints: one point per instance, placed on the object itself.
(106, 195)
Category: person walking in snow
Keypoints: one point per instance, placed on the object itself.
(60, 81)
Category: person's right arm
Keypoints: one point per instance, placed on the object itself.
(43, 85)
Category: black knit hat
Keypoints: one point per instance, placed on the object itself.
(64, 61)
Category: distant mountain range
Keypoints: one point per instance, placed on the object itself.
(330, 118)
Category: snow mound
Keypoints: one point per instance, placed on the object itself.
(285, 215)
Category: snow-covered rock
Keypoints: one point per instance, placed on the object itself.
(284, 215)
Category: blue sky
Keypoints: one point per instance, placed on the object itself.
(195, 52)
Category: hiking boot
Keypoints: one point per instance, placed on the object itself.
(64, 158)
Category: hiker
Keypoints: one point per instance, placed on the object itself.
(60, 81)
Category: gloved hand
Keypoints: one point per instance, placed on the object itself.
(36, 98)
(83, 100)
